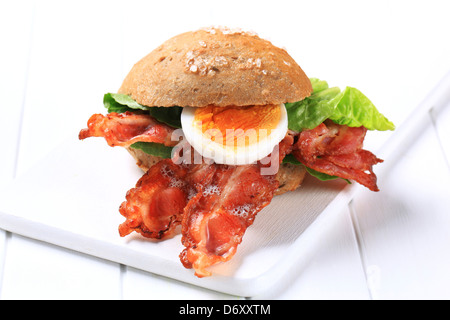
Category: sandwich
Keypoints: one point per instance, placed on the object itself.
(220, 121)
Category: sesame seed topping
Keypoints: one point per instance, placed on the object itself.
(193, 68)
(250, 63)
(203, 63)
(229, 31)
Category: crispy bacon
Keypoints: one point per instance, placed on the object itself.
(215, 220)
(155, 206)
(337, 150)
(124, 129)
(286, 145)
(214, 203)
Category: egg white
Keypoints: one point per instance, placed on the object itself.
(230, 155)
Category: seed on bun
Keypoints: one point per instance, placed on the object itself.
(216, 66)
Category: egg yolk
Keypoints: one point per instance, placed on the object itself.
(238, 126)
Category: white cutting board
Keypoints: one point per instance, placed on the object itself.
(71, 198)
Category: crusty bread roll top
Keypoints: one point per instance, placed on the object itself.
(216, 67)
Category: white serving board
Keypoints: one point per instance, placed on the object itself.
(71, 198)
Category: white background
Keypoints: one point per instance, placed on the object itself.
(58, 58)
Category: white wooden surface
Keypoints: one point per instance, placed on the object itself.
(58, 58)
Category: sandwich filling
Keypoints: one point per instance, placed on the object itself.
(222, 119)
(235, 135)
(213, 201)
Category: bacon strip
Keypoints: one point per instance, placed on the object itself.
(124, 129)
(337, 150)
(155, 206)
(215, 220)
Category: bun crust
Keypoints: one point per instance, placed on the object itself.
(217, 67)
(289, 176)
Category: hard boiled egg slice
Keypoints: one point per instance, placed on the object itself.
(235, 135)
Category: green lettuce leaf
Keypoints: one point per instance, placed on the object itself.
(154, 149)
(319, 175)
(350, 107)
(323, 176)
(116, 102)
(291, 159)
(167, 115)
(318, 85)
(354, 109)
(312, 111)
